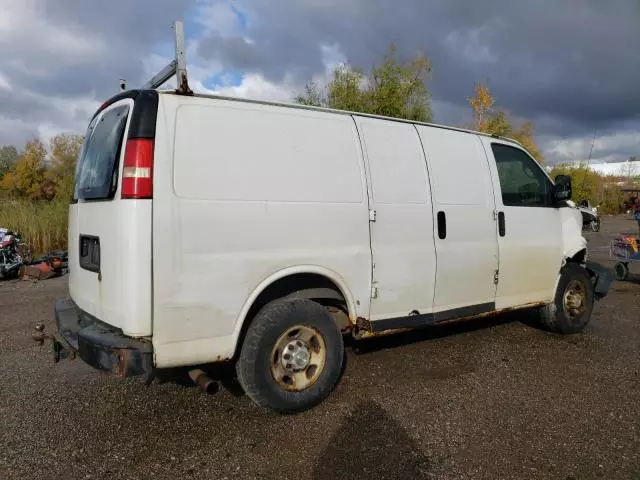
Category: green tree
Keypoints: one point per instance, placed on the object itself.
(585, 182)
(8, 157)
(392, 89)
(497, 124)
(29, 171)
(345, 92)
(65, 149)
(589, 185)
(311, 96)
(400, 90)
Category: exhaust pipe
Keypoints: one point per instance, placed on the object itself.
(203, 381)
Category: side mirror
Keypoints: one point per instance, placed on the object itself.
(562, 188)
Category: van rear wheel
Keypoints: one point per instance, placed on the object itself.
(291, 358)
(571, 309)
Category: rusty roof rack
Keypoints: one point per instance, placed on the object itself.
(177, 66)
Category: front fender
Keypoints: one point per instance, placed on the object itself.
(572, 240)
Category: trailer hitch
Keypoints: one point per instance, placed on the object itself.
(60, 351)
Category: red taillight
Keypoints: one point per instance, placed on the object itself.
(137, 172)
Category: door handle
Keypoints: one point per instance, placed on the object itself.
(442, 226)
(501, 226)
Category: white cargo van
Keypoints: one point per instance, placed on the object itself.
(208, 229)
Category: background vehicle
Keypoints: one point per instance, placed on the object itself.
(590, 217)
(14, 253)
(208, 229)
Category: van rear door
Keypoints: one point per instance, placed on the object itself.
(110, 215)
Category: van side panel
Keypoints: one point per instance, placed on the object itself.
(241, 192)
(531, 251)
(466, 245)
(402, 236)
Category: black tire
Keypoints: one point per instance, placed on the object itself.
(622, 271)
(559, 318)
(254, 367)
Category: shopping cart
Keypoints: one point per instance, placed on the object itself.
(626, 250)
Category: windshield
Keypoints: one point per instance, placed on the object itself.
(96, 171)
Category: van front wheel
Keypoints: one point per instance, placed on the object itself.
(291, 358)
(571, 309)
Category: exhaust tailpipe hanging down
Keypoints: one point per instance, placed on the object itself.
(203, 381)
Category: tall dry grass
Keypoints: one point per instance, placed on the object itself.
(43, 225)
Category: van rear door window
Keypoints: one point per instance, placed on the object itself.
(96, 171)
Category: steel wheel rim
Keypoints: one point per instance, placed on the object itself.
(575, 299)
(298, 358)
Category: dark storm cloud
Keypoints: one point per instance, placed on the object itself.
(571, 66)
(73, 50)
(125, 29)
(27, 107)
(252, 58)
(574, 60)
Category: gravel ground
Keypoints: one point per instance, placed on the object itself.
(490, 399)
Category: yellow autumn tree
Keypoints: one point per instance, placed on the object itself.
(482, 105)
(524, 135)
(29, 171)
(495, 121)
(8, 185)
(64, 152)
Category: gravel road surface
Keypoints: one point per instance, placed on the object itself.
(494, 398)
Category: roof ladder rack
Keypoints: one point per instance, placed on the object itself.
(177, 66)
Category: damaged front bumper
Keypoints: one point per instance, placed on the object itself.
(602, 278)
(99, 345)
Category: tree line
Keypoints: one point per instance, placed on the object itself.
(399, 89)
(393, 88)
(38, 173)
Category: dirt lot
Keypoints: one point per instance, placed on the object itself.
(484, 399)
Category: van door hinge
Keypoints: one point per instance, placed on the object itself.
(495, 215)
(374, 291)
(372, 215)
(496, 277)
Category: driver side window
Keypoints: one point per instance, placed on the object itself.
(522, 182)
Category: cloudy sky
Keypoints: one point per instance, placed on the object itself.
(570, 66)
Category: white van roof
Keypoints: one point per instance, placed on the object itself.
(333, 110)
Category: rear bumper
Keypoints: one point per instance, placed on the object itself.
(602, 278)
(100, 345)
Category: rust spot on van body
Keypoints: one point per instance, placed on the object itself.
(363, 326)
(183, 86)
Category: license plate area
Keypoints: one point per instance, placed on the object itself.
(90, 253)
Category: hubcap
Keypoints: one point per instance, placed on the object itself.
(298, 358)
(575, 299)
